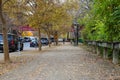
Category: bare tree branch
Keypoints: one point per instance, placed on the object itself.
(5, 2)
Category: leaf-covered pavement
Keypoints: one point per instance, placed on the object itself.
(64, 62)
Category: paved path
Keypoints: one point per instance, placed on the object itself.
(65, 62)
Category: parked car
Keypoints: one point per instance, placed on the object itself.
(34, 42)
(12, 42)
(44, 41)
(27, 39)
(60, 39)
(52, 39)
(21, 39)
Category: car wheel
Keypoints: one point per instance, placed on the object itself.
(21, 49)
(1, 51)
(13, 50)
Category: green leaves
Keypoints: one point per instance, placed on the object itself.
(105, 17)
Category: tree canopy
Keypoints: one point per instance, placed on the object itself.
(49, 12)
(102, 22)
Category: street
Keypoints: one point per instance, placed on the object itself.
(65, 62)
(26, 48)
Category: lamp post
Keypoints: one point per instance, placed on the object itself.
(76, 33)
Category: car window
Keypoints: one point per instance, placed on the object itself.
(1, 37)
(10, 37)
(26, 38)
(44, 38)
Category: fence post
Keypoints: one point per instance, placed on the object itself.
(105, 54)
(115, 56)
(98, 52)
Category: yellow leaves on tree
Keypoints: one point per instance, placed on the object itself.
(27, 33)
(51, 16)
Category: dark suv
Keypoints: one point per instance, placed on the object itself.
(13, 42)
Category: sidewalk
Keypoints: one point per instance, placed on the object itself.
(65, 62)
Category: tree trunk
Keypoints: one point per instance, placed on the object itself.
(49, 40)
(5, 46)
(5, 40)
(56, 37)
(39, 41)
(67, 35)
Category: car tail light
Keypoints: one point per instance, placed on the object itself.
(12, 42)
